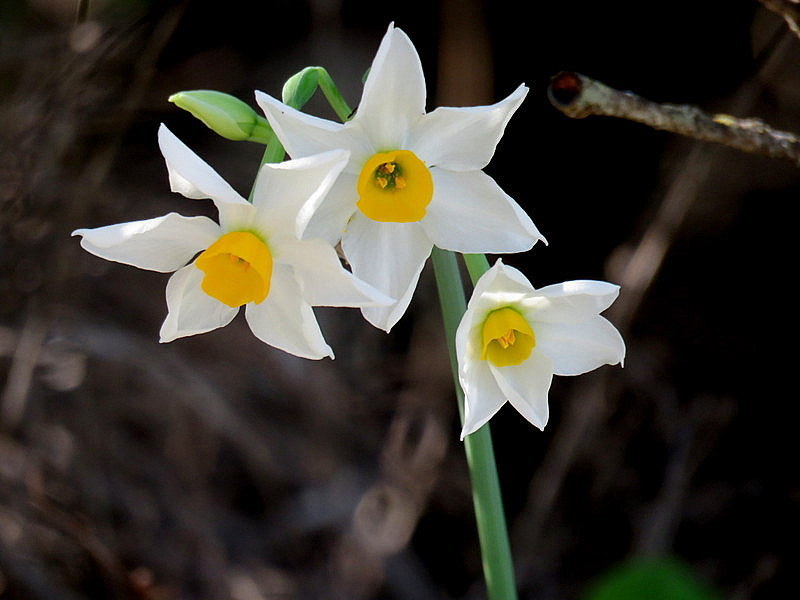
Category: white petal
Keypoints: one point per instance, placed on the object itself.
(191, 176)
(500, 286)
(509, 277)
(470, 213)
(162, 244)
(572, 301)
(287, 194)
(394, 92)
(285, 320)
(468, 338)
(330, 220)
(526, 386)
(580, 347)
(323, 280)
(191, 310)
(463, 139)
(482, 397)
(502, 278)
(389, 257)
(304, 135)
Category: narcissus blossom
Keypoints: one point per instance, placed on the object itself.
(413, 179)
(514, 338)
(253, 257)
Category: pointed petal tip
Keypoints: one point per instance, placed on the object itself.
(382, 321)
(164, 132)
(265, 101)
(325, 353)
(167, 335)
(470, 429)
(384, 317)
(624, 351)
(381, 324)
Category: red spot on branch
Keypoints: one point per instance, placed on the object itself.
(565, 87)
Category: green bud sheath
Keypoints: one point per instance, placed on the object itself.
(224, 114)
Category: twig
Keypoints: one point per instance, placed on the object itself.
(20, 376)
(578, 96)
(788, 9)
(81, 10)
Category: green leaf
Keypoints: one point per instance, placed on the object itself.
(650, 579)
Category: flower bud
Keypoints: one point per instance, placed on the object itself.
(226, 115)
(299, 88)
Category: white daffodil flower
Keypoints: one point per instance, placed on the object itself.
(413, 179)
(252, 258)
(514, 338)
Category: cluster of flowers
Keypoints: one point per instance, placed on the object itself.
(387, 185)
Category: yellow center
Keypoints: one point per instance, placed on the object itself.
(394, 187)
(237, 267)
(507, 338)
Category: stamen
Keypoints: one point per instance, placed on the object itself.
(387, 175)
(507, 338)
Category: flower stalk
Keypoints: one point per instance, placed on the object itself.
(498, 568)
(477, 265)
(299, 88)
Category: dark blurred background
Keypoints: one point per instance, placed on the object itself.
(215, 467)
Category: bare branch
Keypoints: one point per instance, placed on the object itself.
(578, 96)
(788, 9)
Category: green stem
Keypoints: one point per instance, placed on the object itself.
(477, 265)
(498, 568)
(273, 153)
(301, 86)
(333, 96)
